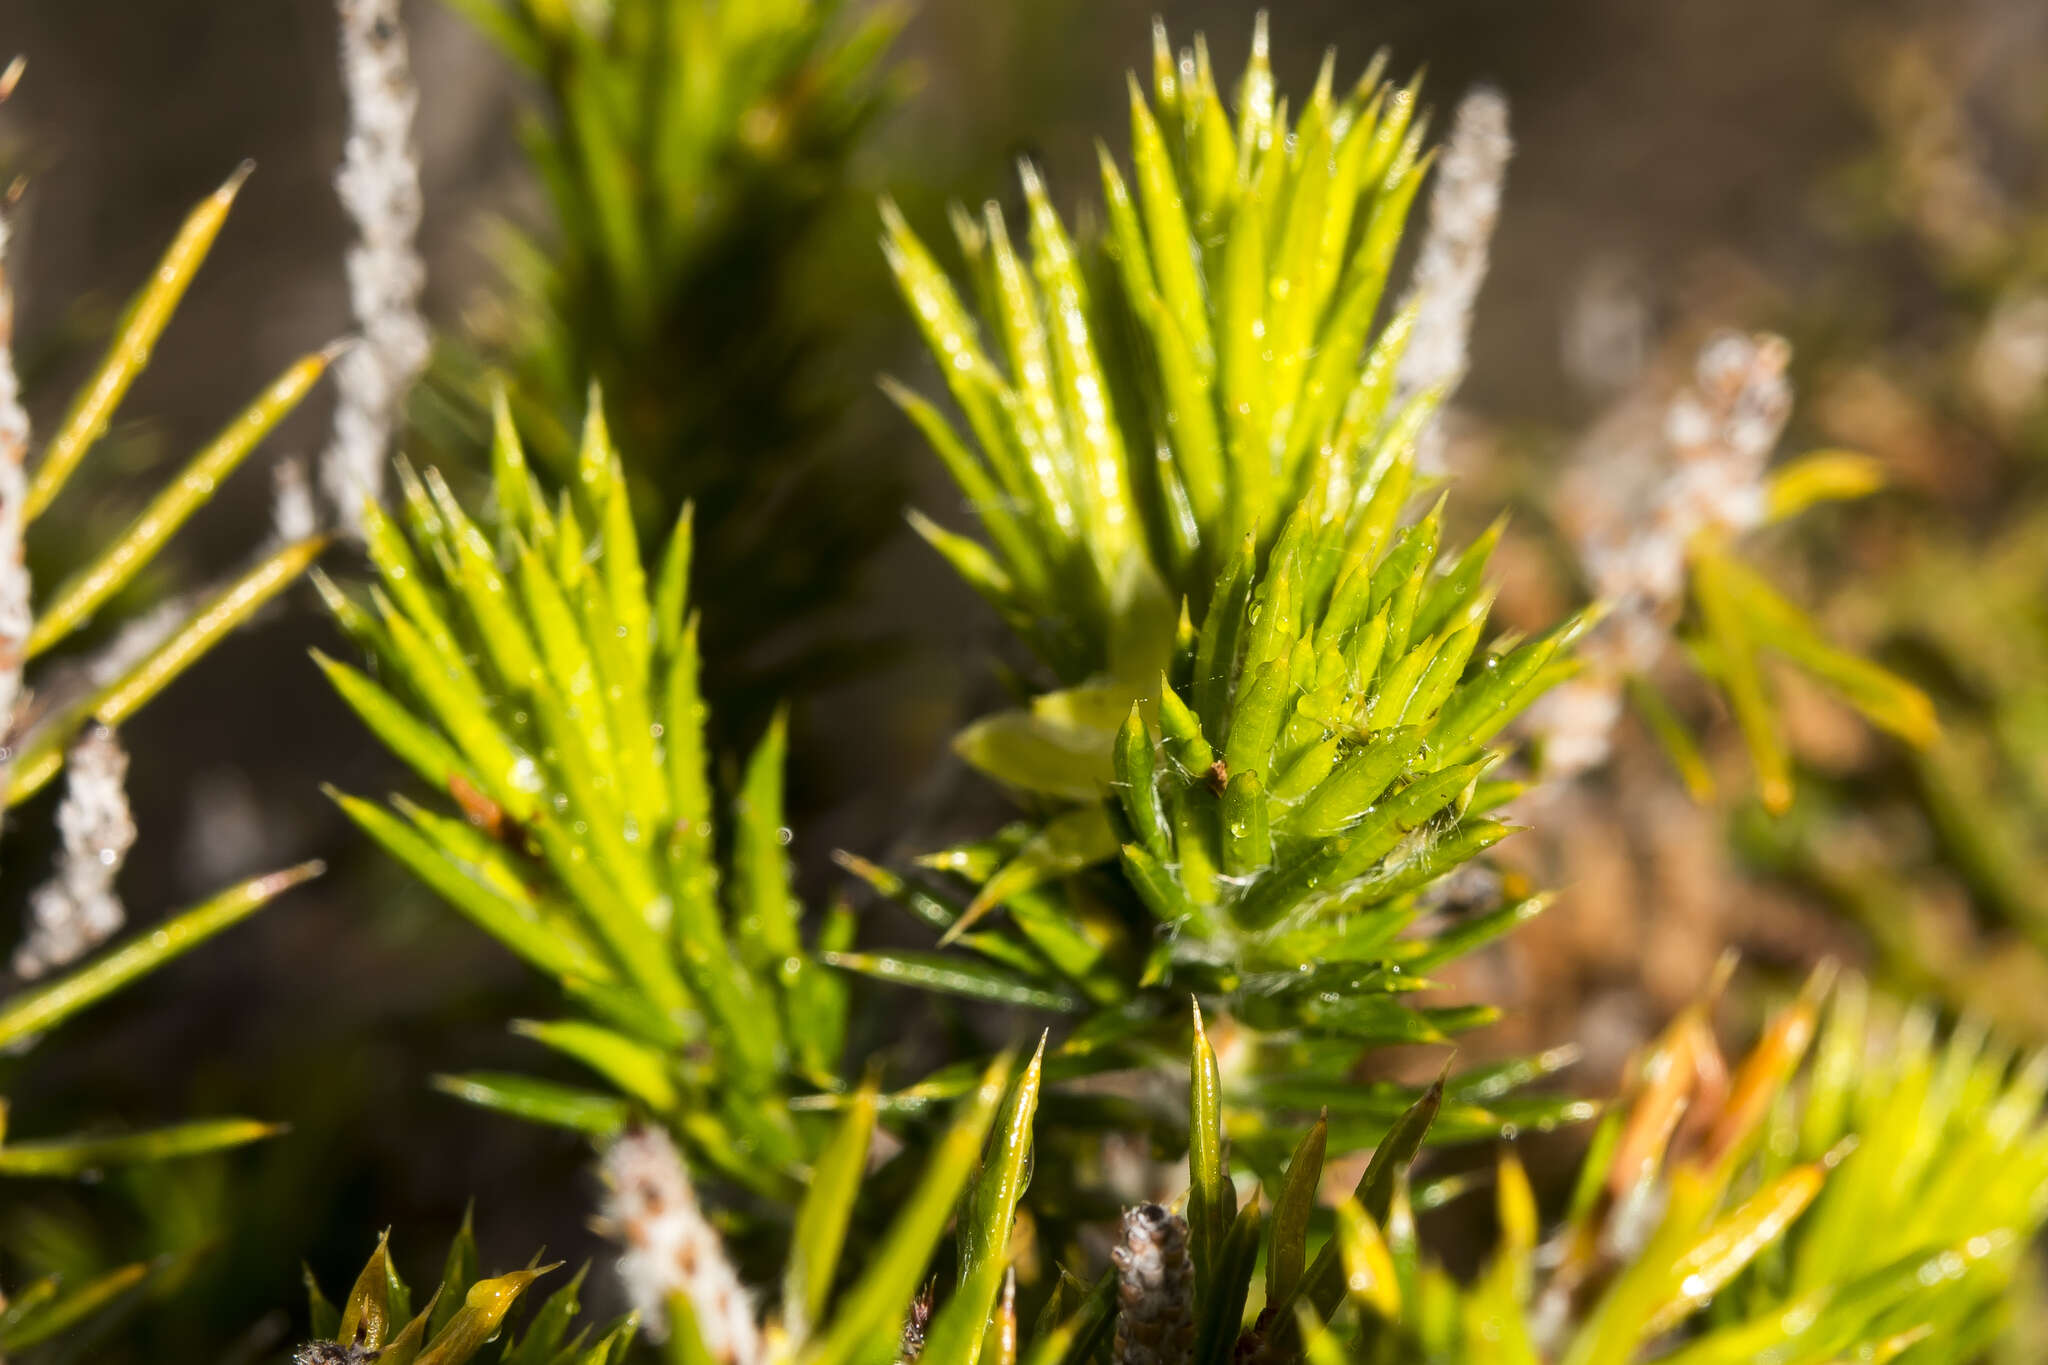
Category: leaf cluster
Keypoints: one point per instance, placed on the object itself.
(468, 1317)
(694, 154)
(1159, 393)
(536, 680)
(1194, 470)
(123, 683)
(1736, 620)
(1299, 797)
(1876, 1209)
(74, 687)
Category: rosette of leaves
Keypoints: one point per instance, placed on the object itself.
(1276, 692)
(1159, 393)
(467, 1318)
(547, 693)
(1281, 824)
(694, 154)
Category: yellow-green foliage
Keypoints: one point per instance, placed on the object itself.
(1159, 394)
(696, 156)
(105, 578)
(543, 689)
(1196, 478)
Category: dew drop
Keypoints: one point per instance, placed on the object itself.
(526, 776)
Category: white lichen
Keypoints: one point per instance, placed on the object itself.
(671, 1249)
(16, 613)
(1452, 261)
(1606, 337)
(1576, 720)
(293, 513)
(139, 638)
(2009, 364)
(77, 909)
(1635, 504)
(379, 185)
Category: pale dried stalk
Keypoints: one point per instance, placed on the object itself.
(1636, 503)
(77, 909)
(1451, 264)
(293, 513)
(16, 613)
(379, 185)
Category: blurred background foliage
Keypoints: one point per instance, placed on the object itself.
(694, 158)
(1869, 180)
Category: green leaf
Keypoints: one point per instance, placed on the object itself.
(31, 1012)
(1076, 1339)
(822, 1220)
(43, 756)
(480, 1317)
(1884, 698)
(1465, 937)
(1737, 667)
(1247, 838)
(1005, 1172)
(672, 584)
(90, 1155)
(1673, 737)
(1230, 1286)
(365, 1316)
(419, 746)
(144, 321)
(961, 1329)
(1820, 476)
(1479, 707)
(68, 1310)
(1369, 1274)
(1735, 1240)
(114, 567)
(764, 910)
(1066, 844)
(458, 1273)
(1287, 1253)
(544, 1336)
(1034, 755)
(872, 1309)
(950, 976)
(1359, 779)
(1137, 787)
(689, 779)
(511, 923)
(324, 1317)
(1209, 1194)
(1324, 1283)
(522, 1097)
(639, 1071)
(1173, 250)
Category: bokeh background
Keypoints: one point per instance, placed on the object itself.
(1742, 163)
